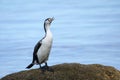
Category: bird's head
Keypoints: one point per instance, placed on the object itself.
(48, 21)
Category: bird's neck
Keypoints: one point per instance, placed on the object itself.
(47, 29)
(48, 34)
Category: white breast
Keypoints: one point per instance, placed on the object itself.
(44, 51)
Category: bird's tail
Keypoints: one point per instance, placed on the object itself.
(30, 65)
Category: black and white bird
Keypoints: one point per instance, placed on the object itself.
(42, 48)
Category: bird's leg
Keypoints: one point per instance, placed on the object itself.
(47, 67)
(44, 67)
(40, 66)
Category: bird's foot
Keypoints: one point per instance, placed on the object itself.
(46, 68)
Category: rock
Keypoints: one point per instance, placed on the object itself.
(68, 71)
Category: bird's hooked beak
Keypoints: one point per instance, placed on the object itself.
(52, 19)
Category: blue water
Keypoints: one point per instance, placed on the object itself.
(86, 32)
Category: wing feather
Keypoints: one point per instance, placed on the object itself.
(36, 48)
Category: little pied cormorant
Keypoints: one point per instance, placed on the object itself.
(42, 48)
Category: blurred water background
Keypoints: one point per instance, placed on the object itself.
(84, 31)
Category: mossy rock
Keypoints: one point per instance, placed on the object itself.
(68, 71)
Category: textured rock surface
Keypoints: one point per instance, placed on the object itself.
(68, 71)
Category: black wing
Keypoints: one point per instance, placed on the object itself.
(37, 46)
(35, 58)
